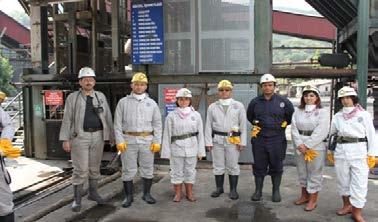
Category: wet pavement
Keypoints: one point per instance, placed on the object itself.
(223, 209)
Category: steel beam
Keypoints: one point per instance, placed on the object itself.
(363, 49)
(263, 38)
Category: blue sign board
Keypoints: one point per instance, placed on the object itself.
(169, 107)
(147, 32)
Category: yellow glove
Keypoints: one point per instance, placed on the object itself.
(255, 131)
(155, 147)
(234, 140)
(8, 150)
(371, 161)
(310, 155)
(121, 147)
(284, 124)
(330, 157)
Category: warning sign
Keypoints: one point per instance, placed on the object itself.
(54, 97)
(170, 95)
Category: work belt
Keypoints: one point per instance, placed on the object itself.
(182, 137)
(226, 134)
(305, 132)
(6, 174)
(343, 139)
(91, 130)
(139, 133)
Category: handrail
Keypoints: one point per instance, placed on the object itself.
(14, 99)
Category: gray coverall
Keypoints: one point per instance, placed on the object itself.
(86, 147)
(133, 115)
(310, 129)
(6, 196)
(225, 155)
(183, 153)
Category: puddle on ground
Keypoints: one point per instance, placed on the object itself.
(95, 214)
(243, 211)
(47, 174)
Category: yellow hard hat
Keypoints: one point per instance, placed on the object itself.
(225, 84)
(2, 95)
(139, 77)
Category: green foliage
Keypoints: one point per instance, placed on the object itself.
(5, 77)
(297, 55)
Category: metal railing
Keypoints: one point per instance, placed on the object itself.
(20, 109)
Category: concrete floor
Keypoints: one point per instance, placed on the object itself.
(222, 208)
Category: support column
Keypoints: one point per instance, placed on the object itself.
(94, 36)
(38, 126)
(362, 49)
(263, 38)
(115, 35)
(39, 39)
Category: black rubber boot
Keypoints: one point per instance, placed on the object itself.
(7, 218)
(128, 187)
(93, 194)
(76, 205)
(259, 182)
(147, 183)
(233, 185)
(219, 180)
(276, 181)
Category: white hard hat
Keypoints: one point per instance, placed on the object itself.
(184, 92)
(86, 72)
(346, 91)
(267, 78)
(309, 88)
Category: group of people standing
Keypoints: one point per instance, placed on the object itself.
(138, 134)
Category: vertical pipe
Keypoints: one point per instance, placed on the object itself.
(94, 35)
(115, 35)
(362, 49)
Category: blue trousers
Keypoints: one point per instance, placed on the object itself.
(268, 154)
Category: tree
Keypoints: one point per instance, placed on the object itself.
(5, 77)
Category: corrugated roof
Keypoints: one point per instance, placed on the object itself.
(339, 13)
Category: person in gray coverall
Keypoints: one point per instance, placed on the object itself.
(87, 123)
(225, 137)
(6, 196)
(138, 129)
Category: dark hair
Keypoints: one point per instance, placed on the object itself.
(354, 99)
(318, 102)
(183, 97)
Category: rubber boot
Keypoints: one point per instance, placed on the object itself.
(7, 218)
(347, 207)
(147, 183)
(76, 205)
(305, 197)
(92, 192)
(276, 181)
(128, 187)
(219, 180)
(178, 190)
(312, 203)
(259, 182)
(189, 192)
(357, 214)
(233, 185)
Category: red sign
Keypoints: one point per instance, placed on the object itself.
(54, 97)
(170, 95)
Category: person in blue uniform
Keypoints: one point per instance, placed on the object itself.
(269, 115)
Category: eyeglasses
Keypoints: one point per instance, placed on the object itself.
(225, 90)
